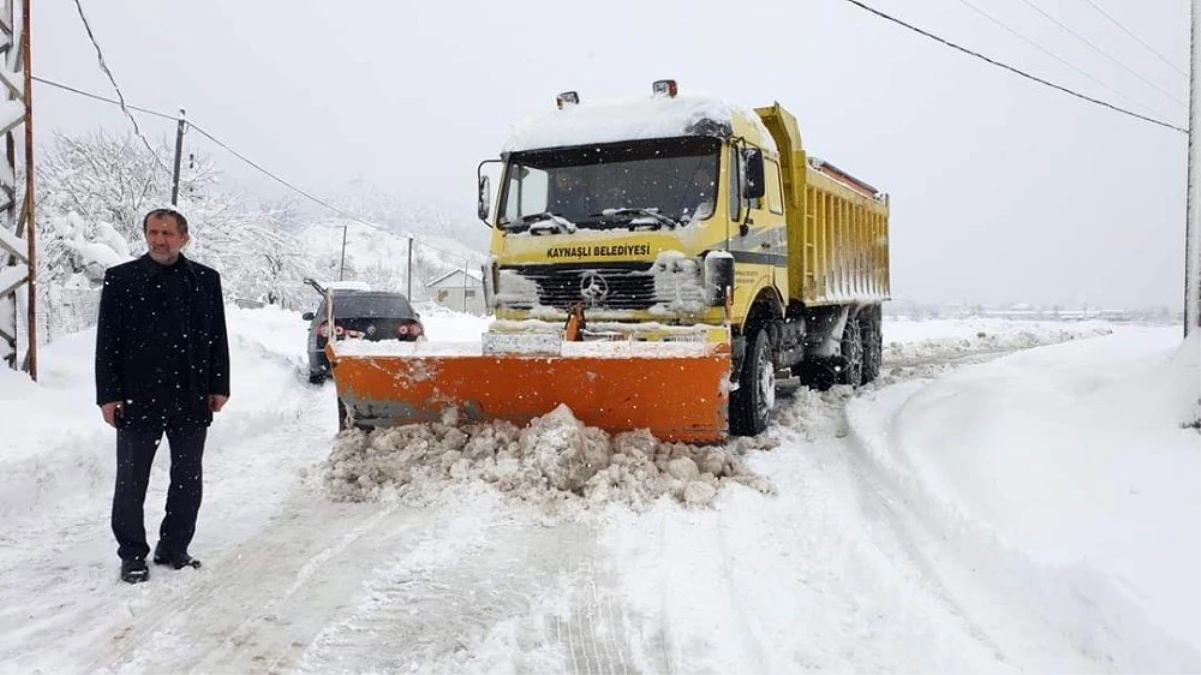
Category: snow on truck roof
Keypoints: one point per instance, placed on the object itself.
(610, 121)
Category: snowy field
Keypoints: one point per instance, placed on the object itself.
(1009, 497)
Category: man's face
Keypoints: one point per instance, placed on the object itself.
(164, 239)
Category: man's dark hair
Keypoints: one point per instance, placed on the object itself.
(180, 221)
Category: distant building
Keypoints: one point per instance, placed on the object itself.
(459, 290)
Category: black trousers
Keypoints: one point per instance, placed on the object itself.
(135, 455)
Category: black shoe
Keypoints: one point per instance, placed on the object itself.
(174, 560)
(134, 571)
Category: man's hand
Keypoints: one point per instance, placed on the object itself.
(217, 402)
(112, 412)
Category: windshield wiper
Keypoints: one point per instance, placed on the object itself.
(658, 219)
(543, 223)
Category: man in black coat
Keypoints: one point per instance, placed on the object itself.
(162, 365)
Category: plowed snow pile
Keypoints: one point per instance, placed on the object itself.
(910, 341)
(555, 461)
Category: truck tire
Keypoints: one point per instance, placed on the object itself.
(751, 403)
(873, 342)
(850, 365)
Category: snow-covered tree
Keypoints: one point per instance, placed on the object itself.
(95, 188)
(93, 191)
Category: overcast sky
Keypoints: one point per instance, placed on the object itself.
(1002, 190)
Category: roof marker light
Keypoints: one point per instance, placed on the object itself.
(665, 88)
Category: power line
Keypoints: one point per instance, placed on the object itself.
(1127, 31)
(1016, 71)
(1050, 53)
(1106, 54)
(120, 97)
(235, 153)
(317, 200)
(200, 130)
(88, 94)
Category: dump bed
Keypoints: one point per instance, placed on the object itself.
(837, 224)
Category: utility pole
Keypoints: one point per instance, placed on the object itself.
(31, 230)
(179, 131)
(1192, 238)
(409, 273)
(18, 263)
(342, 269)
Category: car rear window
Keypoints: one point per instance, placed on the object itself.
(372, 307)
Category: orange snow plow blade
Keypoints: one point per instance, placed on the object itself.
(679, 393)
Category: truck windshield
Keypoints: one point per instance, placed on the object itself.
(645, 184)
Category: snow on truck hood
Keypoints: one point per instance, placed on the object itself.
(610, 121)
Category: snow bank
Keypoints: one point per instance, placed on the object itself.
(1074, 462)
(907, 341)
(556, 462)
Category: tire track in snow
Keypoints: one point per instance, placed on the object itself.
(744, 621)
(1029, 615)
(479, 594)
(213, 617)
(596, 630)
(880, 500)
(249, 643)
(488, 592)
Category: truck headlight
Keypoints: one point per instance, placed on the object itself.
(719, 277)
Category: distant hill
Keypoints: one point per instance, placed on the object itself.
(380, 257)
(423, 218)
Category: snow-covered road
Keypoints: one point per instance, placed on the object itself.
(901, 536)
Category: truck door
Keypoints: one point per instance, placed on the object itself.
(772, 215)
(757, 237)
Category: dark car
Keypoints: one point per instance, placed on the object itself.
(358, 314)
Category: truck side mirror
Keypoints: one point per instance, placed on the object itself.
(308, 316)
(484, 206)
(755, 186)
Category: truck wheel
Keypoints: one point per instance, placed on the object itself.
(873, 343)
(752, 402)
(850, 371)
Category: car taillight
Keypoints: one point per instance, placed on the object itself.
(323, 329)
(413, 329)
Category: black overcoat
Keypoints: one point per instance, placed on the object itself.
(161, 344)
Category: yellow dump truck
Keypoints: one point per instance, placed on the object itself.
(656, 263)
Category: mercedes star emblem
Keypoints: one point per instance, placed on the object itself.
(593, 287)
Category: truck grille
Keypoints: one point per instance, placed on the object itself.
(626, 286)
